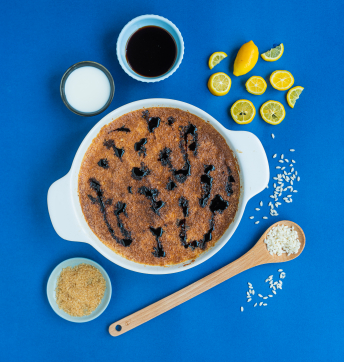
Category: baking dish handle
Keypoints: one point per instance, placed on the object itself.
(61, 211)
(254, 164)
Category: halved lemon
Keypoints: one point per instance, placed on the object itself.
(273, 54)
(216, 58)
(293, 95)
(256, 85)
(281, 80)
(272, 112)
(219, 84)
(243, 111)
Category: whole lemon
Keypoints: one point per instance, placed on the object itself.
(246, 58)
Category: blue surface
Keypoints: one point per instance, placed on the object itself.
(39, 137)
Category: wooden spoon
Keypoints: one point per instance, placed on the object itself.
(258, 255)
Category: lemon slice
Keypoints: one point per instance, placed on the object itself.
(216, 58)
(293, 95)
(219, 84)
(281, 80)
(243, 111)
(272, 112)
(256, 85)
(273, 54)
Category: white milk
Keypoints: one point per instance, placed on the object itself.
(87, 89)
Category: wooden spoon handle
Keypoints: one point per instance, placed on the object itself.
(247, 261)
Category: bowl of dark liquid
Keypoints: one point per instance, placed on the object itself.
(150, 48)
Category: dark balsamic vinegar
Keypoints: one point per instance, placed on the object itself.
(151, 51)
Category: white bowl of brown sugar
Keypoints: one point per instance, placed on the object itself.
(79, 290)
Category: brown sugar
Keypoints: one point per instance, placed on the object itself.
(80, 290)
(159, 186)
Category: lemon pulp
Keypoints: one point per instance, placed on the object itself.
(293, 95)
(272, 112)
(219, 84)
(281, 79)
(256, 85)
(273, 54)
(216, 58)
(243, 111)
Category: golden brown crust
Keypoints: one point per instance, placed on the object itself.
(114, 181)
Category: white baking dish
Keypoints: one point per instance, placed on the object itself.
(63, 200)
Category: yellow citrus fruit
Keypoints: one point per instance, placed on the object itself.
(243, 111)
(272, 112)
(293, 95)
(216, 58)
(256, 85)
(273, 54)
(219, 84)
(246, 59)
(281, 80)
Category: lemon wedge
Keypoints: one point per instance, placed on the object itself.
(272, 112)
(281, 80)
(273, 54)
(243, 111)
(246, 59)
(256, 85)
(216, 58)
(219, 84)
(293, 95)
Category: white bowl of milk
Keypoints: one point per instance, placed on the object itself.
(87, 88)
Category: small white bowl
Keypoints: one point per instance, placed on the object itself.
(52, 283)
(132, 27)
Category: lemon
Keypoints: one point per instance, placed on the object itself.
(246, 59)
(219, 84)
(281, 80)
(293, 95)
(243, 111)
(256, 85)
(273, 54)
(216, 58)
(272, 112)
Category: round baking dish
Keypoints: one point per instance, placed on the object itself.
(63, 199)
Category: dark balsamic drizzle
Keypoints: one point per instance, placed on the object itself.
(152, 122)
(218, 204)
(95, 186)
(129, 190)
(158, 250)
(190, 129)
(207, 183)
(140, 148)
(151, 195)
(104, 163)
(139, 173)
(184, 204)
(119, 152)
(164, 157)
(121, 129)
(229, 186)
(171, 185)
(180, 175)
(170, 121)
(120, 208)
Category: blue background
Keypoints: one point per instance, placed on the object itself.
(39, 138)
